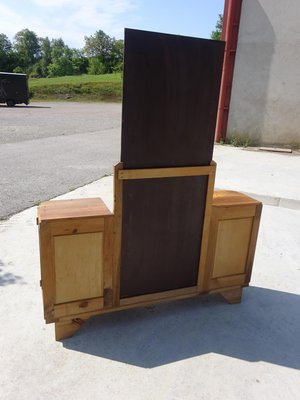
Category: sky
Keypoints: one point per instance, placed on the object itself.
(72, 20)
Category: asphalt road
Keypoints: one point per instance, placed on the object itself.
(47, 149)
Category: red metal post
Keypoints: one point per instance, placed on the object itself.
(230, 32)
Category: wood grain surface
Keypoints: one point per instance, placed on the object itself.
(161, 234)
(65, 209)
(170, 99)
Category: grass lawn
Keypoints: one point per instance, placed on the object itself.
(106, 87)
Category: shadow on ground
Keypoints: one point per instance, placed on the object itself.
(264, 327)
(7, 278)
(23, 107)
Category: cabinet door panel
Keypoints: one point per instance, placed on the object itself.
(233, 234)
(232, 247)
(77, 259)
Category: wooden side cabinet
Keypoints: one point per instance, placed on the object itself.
(76, 239)
(232, 240)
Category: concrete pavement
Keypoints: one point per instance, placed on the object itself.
(47, 149)
(273, 178)
(199, 348)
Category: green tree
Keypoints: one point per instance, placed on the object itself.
(98, 45)
(216, 34)
(45, 56)
(117, 55)
(40, 68)
(58, 48)
(79, 61)
(27, 47)
(5, 53)
(95, 66)
(105, 53)
(61, 59)
(60, 67)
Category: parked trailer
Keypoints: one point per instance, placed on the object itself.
(13, 89)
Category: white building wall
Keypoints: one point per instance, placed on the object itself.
(265, 99)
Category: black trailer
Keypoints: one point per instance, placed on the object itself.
(13, 89)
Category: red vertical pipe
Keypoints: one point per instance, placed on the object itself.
(230, 32)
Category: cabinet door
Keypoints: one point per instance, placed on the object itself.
(78, 261)
(232, 243)
(76, 266)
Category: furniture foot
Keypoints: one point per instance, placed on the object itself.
(66, 329)
(233, 295)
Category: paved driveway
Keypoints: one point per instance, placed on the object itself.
(47, 149)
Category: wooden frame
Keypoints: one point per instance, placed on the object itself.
(161, 173)
(154, 173)
(220, 206)
(118, 200)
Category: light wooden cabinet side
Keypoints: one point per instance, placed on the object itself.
(233, 234)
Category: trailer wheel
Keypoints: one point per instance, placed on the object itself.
(10, 103)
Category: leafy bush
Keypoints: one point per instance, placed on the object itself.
(96, 67)
(78, 88)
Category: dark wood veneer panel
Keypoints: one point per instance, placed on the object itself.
(162, 230)
(170, 99)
